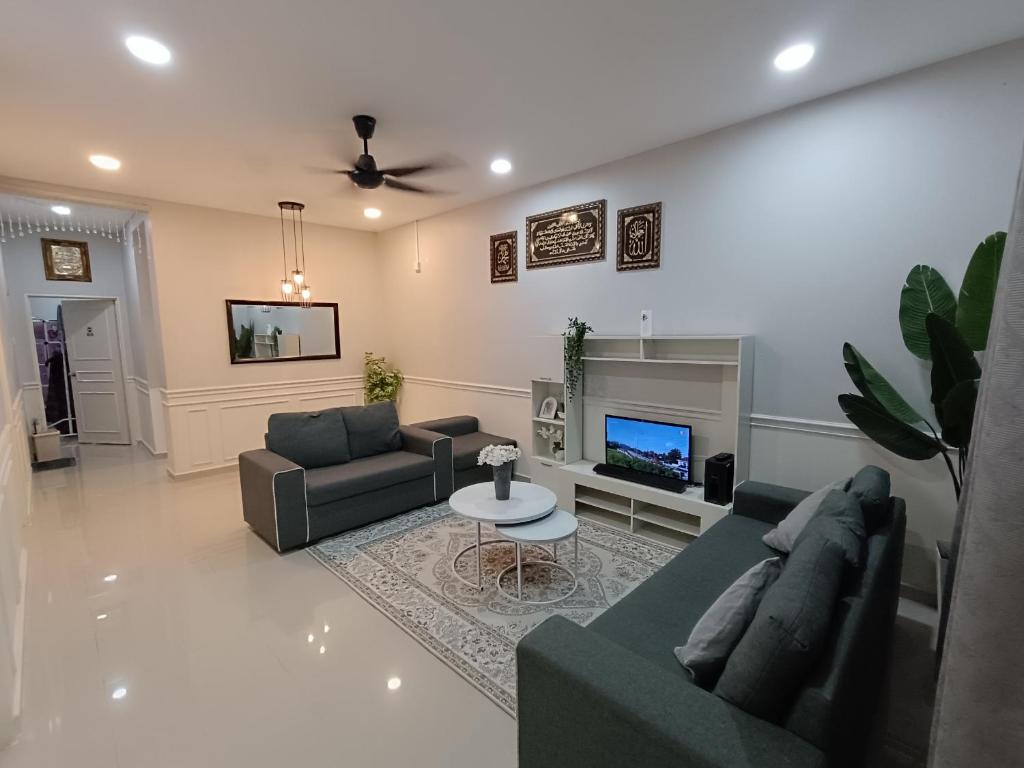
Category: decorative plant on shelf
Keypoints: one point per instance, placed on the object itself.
(573, 340)
(380, 381)
(936, 326)
(554, 436)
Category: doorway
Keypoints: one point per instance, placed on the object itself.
(83, 367)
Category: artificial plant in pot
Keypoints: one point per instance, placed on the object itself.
(380, 381)
(573, 337)
(947, 331)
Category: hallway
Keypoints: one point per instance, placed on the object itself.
(208, 649)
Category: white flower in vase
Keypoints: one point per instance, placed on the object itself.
(497, 455)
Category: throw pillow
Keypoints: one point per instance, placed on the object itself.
(372, 429)
(723, 624)
(871, 486)
(783, 537)
(788, 633)
(311, 440)
(840, 519)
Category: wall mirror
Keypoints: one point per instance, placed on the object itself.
(277, 331)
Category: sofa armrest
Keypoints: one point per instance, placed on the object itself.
(453, 426)
(585, 701)
(764, 501)
(274, 498)
(438, 446)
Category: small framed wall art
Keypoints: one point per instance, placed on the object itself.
(639, 238)
(567, 236)
(504, 258)
(66, 260)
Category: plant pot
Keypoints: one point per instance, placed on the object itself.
(503, 481)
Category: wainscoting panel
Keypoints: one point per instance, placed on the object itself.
(801, 453)
(209, 426)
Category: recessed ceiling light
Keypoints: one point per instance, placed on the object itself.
(149, 50)
(371, 213)
(106, 162)
(310, 638)
(62, 210)
(119, 693)
(394, 683)
(501, 166)
(794, 57)
(110, 577)
(323, 649)
(101, 617)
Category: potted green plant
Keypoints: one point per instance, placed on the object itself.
(947, 331)
(573, 337)
(380, 381)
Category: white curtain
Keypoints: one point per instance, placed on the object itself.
(979, 714)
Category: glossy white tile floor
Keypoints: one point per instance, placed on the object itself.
(206, 633)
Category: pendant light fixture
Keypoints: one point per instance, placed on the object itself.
(294, 286)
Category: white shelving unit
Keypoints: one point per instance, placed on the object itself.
(705, 382)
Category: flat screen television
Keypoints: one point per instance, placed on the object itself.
(654, 452)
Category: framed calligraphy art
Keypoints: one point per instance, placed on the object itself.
(66, 260)
(639, 238)
(504, 258)
(567, 236)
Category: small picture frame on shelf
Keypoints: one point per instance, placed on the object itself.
(548, 408)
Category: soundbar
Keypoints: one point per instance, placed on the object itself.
(673, 484)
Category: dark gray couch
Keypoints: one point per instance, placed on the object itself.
(612, 694)
(467, 442)
(348, 467)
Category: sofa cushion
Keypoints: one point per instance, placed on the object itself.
(465, 448)
(871, 487)
(654, 616)
(790, 629)
(723, 624)
(372, 429)
(845, 511)
(783, 537)
(311, 440)
(371, 473)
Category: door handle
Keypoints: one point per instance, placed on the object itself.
(74, 374)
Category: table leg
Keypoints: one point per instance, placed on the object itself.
(575, 553)
(554, 551)
(519, 572)
(479, 569)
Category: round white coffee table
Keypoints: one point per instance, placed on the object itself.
(526, 502)
(556, 527)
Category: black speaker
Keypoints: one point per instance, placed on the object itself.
(718, 476)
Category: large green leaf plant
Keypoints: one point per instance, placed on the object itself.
(947, 330)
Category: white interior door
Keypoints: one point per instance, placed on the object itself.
(94, 357)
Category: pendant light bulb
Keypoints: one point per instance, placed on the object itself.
(298, 277)
(287, 287)
(306, 293)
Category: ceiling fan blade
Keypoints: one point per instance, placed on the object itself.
(441, 163)
(401, 185)
(408, 170)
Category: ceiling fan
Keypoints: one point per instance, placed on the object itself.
(366, 174)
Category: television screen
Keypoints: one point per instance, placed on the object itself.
(648, 446)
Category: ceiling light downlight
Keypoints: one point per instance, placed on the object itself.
(148, 50)
(105, 162)
(61, 210)
(501, 166)
(372, 213)
(795, 57)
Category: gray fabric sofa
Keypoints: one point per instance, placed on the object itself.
(348, 467)
(467, 442)
(612, 694)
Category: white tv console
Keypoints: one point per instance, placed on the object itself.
(703, 381)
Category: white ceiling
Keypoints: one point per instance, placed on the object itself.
(260, 94)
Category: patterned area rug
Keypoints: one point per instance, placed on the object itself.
(403, 567)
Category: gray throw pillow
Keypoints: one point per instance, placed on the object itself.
(372, 429)
(723, 624)
(872, 488)
(311, 440)
(848, 532)
(783, 537)
(789, 630)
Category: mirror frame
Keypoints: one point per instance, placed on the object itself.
(232, 339)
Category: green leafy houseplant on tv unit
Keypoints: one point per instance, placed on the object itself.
(380, 381)
(573, 337)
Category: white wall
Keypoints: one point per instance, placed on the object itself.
(23, 263)
(203, 256)
(798, 228)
